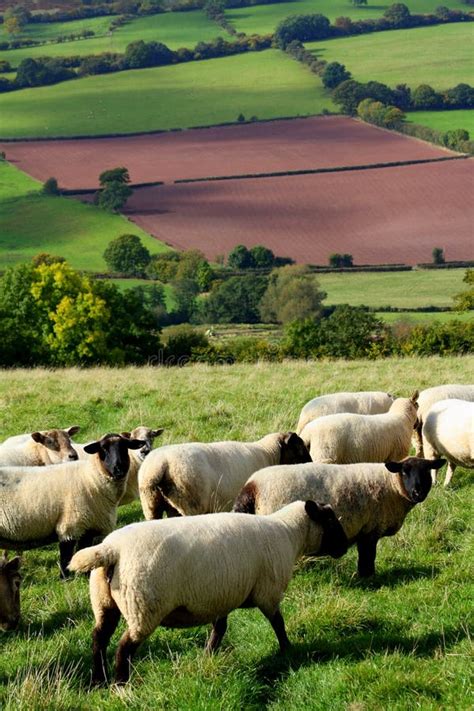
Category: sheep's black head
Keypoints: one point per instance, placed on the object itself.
(113, 452)
(334, 541)
(10, 580)
(293, 449)
(147, 434)
(415, 474)
(58, 445)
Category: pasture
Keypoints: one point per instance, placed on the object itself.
(32, 222)
(399, 641)
(444, 120)
(443, 55)
(426, 318)
(50, 31)
(178, 96)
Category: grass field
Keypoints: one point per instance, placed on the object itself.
(263, 19)
(124, 284)
(443, 55)
(399, 642)
(426, 317)
(179, 96)
(33, 223)
(444, 120)
(50, 31)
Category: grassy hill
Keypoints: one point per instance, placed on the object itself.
(177, 96)
(32, 223)
(444, 120)
(400, 641)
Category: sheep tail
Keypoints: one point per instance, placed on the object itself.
(245, 502)
(101, 556)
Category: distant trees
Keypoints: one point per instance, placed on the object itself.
(142, 54)
(127, 255)
(464, 301)
(340, 260)
(292, 293)
(398, 15)
(438, 255)
(305, 28)
(235, 300)
(41, 72)
(115, 190)
(51, 187)
(257, 257)
(380, 114)
(334, 74)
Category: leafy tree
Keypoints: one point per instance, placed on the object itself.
(240, 258)
(340, 260)
(181, 341)
(425, 97)
(348, 95)
(460, 96)
(163, 266)
(115, 189)
(262, 257)
(114, 175)
(194, 265)
(141, 54)
(464, 301)
(438, 255)
(241, 118)
(127, 255)
(41, 72)
(50, 187)
(185, 292)
(334, 74)
(12, 26)
(204, 276)
(454, 139)
(398, 15)
(235, 300)
(292, 293)
(305, 28)
(46, 258)
(20, 13)
(402, 97)
(380, 114)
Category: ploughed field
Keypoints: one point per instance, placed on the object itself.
(277, 146)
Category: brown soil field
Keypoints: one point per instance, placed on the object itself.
(276, 146)
(379, 216)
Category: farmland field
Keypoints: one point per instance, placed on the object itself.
(399, 641)
(426, 318)
(299, 144)
(33, 223)
(178, 96)
(49, 31)
(383, 215)
(443, 55)
(444, 120)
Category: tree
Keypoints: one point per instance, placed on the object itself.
(19, 12)
(334, 74)
(438, 255)
(240, 258)
(348, 95)
(194, 265)
(235, 300)
(292, 293)
(163, 266)
(12, 26)
(398, 15)
(185, 292)
(50, 187)
(340, 260)
(262, 257)
(141, 54)
(304, 28)
(464, 301)
(425, 97)
(358, 3)
(115, 189)
(114, 175)
(455, 139)
(127, 255)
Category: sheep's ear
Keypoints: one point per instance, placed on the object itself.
(135, 443)
(38, 437)
(92, 448)
(415, 396)
(437, 463)
(290, 437)
(73, 430)
(156, 433)
(127, 435)
(314, 510)
(394, 467)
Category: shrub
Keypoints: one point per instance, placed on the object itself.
(127, 255)
(180, 343)
(305, 28)
(438, 255)
(50, 187)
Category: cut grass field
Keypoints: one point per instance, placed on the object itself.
(179, 96)
(32, 223)
(444, 120)
(398, 642)
(443, 55)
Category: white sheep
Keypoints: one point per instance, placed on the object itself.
(448, 431)
(347, 438)
(38, 448)
(69, 503)
(368, 501)
(197, 478)
(195, 570)
(361, 403)
(427, 399)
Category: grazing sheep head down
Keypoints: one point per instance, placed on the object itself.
(113, 453)
(334, 541)
(415, 475)
(147, 434)
(293, 450)
(10, 579)
(58, 443)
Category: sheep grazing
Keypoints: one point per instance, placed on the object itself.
(347, 438)
(38, 448)
(448, 431)
(69, 503)
(195, 570)
(10, 579)
(369, 502)
(427, 399)
(198, 478)
(360, 403)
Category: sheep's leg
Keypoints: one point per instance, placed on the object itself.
(103, 631)
(417, 439)
(87, 539)
(218, 631)
(123, 658)
(367, 548)
(449, 473)
(66, 551)
(277, 622)
(171, 512)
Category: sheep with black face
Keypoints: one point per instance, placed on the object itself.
(10, 579)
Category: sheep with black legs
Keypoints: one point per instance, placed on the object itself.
(38, 448)
(428, 398)
(448, 431)
(370, 500)
(360, 403)
(70, 503)
(195, 570)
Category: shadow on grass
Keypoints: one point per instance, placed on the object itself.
(398, 575)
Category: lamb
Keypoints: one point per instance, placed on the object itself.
(197, 478)
(10, 580)
(448, 430)
(70, 502)
(369, 503)
(361, 403)
(348, 438)
(38, 448)
(428, 398)
(194, 570)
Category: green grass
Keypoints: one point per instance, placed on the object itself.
(426, 317)
(402, 289)
(444, 120)
(50, 31)
(263, 19)
(124, 284)
(399, 642)
(443, 55)
(33, 223)
(178, 96)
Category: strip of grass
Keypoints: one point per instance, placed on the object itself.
(265, 84)
(124, 284)
(32, 223)
(400, 641)
(443, 55)
(444, 120)
(426, 317)
(263, 19)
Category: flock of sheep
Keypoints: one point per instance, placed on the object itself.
(343, 477)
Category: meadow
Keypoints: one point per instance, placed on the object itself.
(32, 223)
(443, 55)
(444, 120)
(399, 641)
(50, 31)
(178, 96)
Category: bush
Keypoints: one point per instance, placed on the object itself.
(50, 187)
(334, 74)
(127, 255)
(338, 261)
(304, 28)
(235, 301)
(438, 255)
(180, 343)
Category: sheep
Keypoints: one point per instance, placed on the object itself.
(448, 430)
(348, 438)
(68, 503)
(361, 403)
(369, 503)
(197, 478)
(38, 448)
(428, 397)
(136, 458)
(10, 580)
(182, 572)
